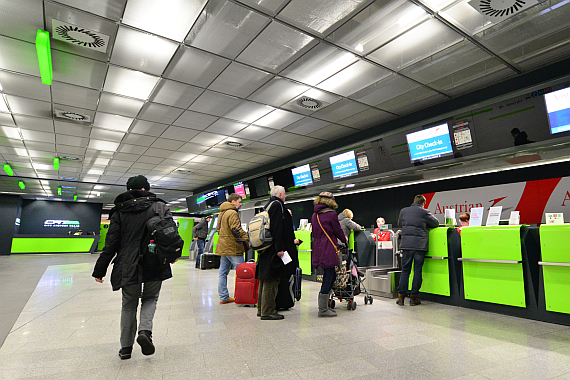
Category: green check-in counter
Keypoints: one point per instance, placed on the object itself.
(54, 244)
(439, 279)
(305, 251)
(555, 265)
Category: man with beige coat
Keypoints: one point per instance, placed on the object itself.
(232, 240)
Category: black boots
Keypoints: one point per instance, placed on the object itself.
(125, 352)
(145, 341)
(414, 300)
(401, 298)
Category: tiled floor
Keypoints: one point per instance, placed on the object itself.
(69, 329)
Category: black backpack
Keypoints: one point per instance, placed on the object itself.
(164, 232)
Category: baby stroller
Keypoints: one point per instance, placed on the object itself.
(349, 282)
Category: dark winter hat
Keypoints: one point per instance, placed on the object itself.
(138, 182)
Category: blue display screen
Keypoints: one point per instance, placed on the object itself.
(343, 165)
(558, 108)
(429, 143)
(302, 175)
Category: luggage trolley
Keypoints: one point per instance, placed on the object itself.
(383, 279)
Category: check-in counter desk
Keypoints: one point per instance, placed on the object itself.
(54, 244)
(439, 274)
(305, 252)
(554, 300)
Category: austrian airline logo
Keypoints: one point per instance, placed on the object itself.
(496, 200)
(466, 206)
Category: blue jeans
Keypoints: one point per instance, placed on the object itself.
(226, 264)
(409, 258)
(328, 280)
(201, 244)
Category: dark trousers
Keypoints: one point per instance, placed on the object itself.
(266, 296)
(200, 243)
(417, 259)
(148, 294)
(329, 276)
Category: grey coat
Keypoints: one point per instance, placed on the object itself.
(347, 224)
(200, 230)
(415, 222)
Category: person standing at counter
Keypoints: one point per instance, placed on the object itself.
(464, 221)
(415, 221)
(326, 231)
(380, 222)
(200, 232)
(346, 223)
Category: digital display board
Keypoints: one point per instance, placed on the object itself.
(558, 108)
(343, 165)
(302, 175)
(429, 143)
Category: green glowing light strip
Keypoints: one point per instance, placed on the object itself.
(8, 170)
(22, 185)
(75, 197)
(44, 56)
(59, 191)
(56, 163)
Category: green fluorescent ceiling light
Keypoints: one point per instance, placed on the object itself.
(59, 191)
(8, 169)
(56, 163)
(22, 185)
(75, 197)
(44, 56)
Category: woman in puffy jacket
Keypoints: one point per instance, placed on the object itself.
(326, 231)
(346, 223)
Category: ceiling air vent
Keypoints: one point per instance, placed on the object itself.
(309, 103)
(72, 116)
(499, 10)
(234, 144)
(70, 158)
(77, 35)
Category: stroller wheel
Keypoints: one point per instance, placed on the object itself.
(370, 299)
(353, 305)
(366, 300)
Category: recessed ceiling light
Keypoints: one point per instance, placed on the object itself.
(233, 144)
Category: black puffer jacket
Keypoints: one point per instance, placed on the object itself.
(200, 230)
(125, 238)
(415, 221)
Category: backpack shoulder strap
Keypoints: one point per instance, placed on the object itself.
(269, 206)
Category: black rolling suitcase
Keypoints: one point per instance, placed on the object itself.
(289, 290)
(209, 261)
(297, 278)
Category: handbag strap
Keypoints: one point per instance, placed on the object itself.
(335, 248)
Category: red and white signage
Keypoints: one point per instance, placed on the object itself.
(532, 199)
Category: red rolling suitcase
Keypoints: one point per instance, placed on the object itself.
(246, 284)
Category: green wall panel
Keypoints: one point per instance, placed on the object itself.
(554, 245)
(491, 243)
(215, 244)
(494, 282)
(102, 236)
(557, 288)
(185, 226)
(51, 245)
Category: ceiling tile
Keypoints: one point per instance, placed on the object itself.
(269, 6)
(225, 127)
(306, 126)
(195, 67)
(414, 100)
(182, 156)
(30, 107)
(291, 140)
(422, 41)
(167, 144)
(142, 51)
(159, 113)
(150, 160)
(38, 136)
(248, 112)
(225, 28)
(103, 145)
(113, 122)
(239, 80)
(134, 149)
(384, 90)
(119, 105)
(21, 19)
(172, 20)
(18, 56)
(207, 139)
(26, 86)
(179, 133)
(6, 119)
(129, 83)
(104, 134)
(143, 127)
(111, 9)
(126, 157)
(194, 120)
(135, 139)
(156, 152)
(278, 119)
(175, 94)
(70, 150)
(340, 110)
(71, 140)
(332, 132)
(80, 71)
(204, 159)
(320, 16)
(37, 124)
(354, 78)
(72, 129)
(367, 119)
(276, 47)
(376, 25)
(195, 148)
(219, 152)
(214, 103)
(278, 91)
(75, 96)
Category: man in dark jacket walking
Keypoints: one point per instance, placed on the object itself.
(136, 275)
(415, 221)
(270, 267)
(200, 233)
